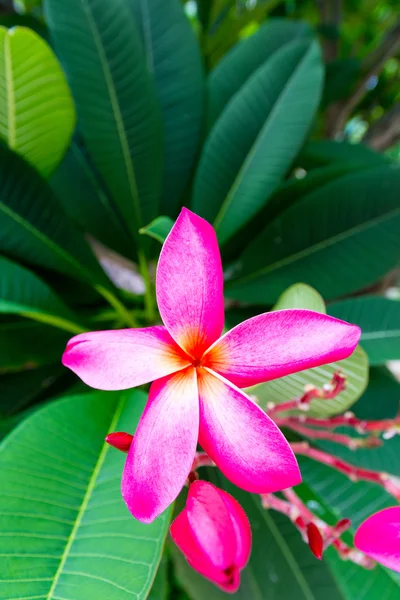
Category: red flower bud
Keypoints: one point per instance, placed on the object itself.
(315, 540)
(120, 440)
(214, 534)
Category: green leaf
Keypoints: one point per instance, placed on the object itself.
(235, 68)
(37, 115)
(287, 194)
(174, 59)
(338, 239)
(301, 295)
(359, 500)
(33, 228)
(19, 390)
(158, 229)
(321, 488)
(17, 350)
(255, 140)
(355, 368)
(379, 319)
(159, 590)
(87, 203)
(99, 47)
(380, 401)
(328, 152)
(23, 293)
(25, 6)
(281, 566)
(66, 532)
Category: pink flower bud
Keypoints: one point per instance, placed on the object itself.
(315, 540)
(120, 440)
(214, 534)
(379, 537)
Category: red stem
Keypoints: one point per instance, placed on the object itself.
(329, 391)
(316, 434)
(353, 473)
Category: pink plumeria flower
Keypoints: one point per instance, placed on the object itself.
(214, 534)
(379, 537)
(197, 376)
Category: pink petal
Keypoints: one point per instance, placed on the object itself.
(241, 527)
(163, 448)
(241, 439)
(379, 537)
(211, 525)
(278, 343)
(183, 537)
(125, 358)
(190, 284)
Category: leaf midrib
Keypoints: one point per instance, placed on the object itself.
(287, 553)
(316, 247)
(147, 34)
(373, 335)
(85, 500)
(249, 159)
(115, 108)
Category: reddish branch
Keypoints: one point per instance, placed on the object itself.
(314, 531)
(329, 391)
(388, 482)
(339, 438)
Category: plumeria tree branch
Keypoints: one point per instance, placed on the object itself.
(387, 427)
(325, 434)
(327, 392)
(314, 531)
(387, 481)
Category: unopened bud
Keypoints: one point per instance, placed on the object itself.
(120, 440)
(315, 540)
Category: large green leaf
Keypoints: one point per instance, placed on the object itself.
(37, 115)
(17, 350)
(234, 69)
(174, 59)
(158, 229)
(159, 590)
(65, 530)
(338, 239)
(359, 500)
(99, 46)
(328, 152)
(281, 566)
(86, 202)
(254, 142)
(333, 496)
(300, 295)
(23, 293)
(34, 229)
(288, 193)
(19, 390)
(355, 368)
(379, 319)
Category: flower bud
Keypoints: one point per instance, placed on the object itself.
(315, 540)
(120, 440)
(379, 537)
(214, 534)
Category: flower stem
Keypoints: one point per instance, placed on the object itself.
(353, 443)
(120, 309)
(302, 518)
(148, 294)
(353, 473)
(329, 391)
